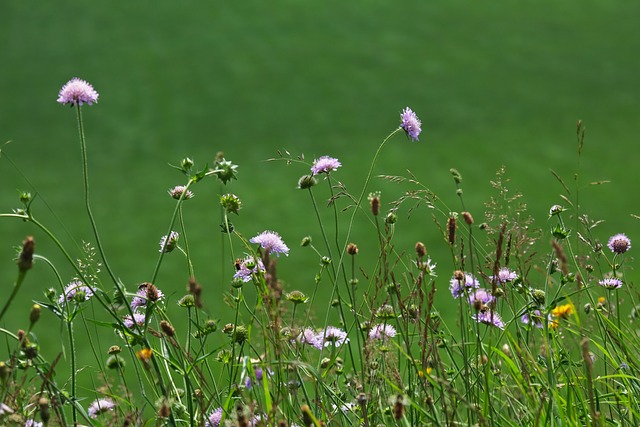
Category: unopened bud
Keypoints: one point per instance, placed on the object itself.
(374, 201)
(36, 310)
(466, 216)
(352, 249)
(25, 260)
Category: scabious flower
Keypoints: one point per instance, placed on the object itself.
(214, 418)
(32, 423)
(382, 331)
(248, 267)
(312, 338)
(505, 275)
(138, 318)
(610, 283)
(333, 336)
(146, 292)
(489, 317)
(410, 123)
(534, 318)
(176, 192)
(271, 242)
(480, 297)
(458, 287)
(324, 164)
(259, 372)
(168, 243)
(75, 291)
(76, 92)
(619, 244)
(100, 406)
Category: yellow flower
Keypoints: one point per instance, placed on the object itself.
(144, 354)
(562, 311)
(602, 300)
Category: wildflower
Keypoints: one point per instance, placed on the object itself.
(25, 260)
(311, 337)
(610, 283)
(385, 311)
(231, 203)
(505, 275)
(144, 355)
(271, 242)
(75, 291)
(168, 243)
(410, 123)
(374, 202)
(555, 210)
(481, 297)
(324, 164)
(489, 317)
(619, 244)
(306, 181)
(100, 406)
(562, 311)
(225, 170)
(352, 249)
(146, 292)
(382, 332)
(176, 192)
(534, 318)
(214, 418)
(458, 288)
(138, 318)
(248, 267)
(77, 91)
(297, 297)
(32, 423)
(4, 409)
(333, 336)
(259, 374)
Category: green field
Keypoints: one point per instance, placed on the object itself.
(500, 83)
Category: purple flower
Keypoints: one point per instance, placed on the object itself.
(382, 332)
(100, 406)
(333, 336)
(410, 123)
(146, 292)
(75, 291)
(32, 423)
(481, 297)
(168, 243)
(610, 283)
(139, 319)
(176, 192)
(259, 374)
(534, 318)
(248, 267)
(619, 244)
(76, 92)
(505, 275)
(489, 317)
(271, 242)
(311, 337)
(458, 288)
(325, 164)
(214, 418)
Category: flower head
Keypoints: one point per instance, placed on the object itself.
(248, 267)
(168, 243)
(489, 317)
(410, 123)
(75, 291)
(77, 92)
(311, 337)
(32, 423)
(324, 164)
(533, 318)
(619, 244)
(333, 336)
(610, 283)
(176, 192)
(505, 275)
(100, 406)
(480, 297)
(562, 311)
(382, 332)
(271, 242)
(138, 318)
(146, 292)
(461, 283)
(214, 418)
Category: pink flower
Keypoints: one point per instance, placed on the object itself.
(77, 92)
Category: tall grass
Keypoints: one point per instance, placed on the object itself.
(545, 330)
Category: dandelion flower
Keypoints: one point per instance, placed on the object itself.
(271, 241)
(562, 311)
(410, 123)
(324, 164)
(77, 92)
(100, 406)
(619, 244)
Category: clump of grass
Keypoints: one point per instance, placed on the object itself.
(539, 336)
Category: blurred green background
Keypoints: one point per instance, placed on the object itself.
(495, 83)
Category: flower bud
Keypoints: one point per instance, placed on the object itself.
(306, 241)
(421, 250)
(115, 362)
(25, 260)
(352, 249)
(468, 219)
(36, 310)
(306, 181)
(231, 203)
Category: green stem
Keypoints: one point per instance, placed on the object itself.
(14, 292)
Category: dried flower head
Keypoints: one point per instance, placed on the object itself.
(76, 92)
(25, 260)
(619, 244)
(146, 292)
(325, 164)
(352, 249)
(410, 123)
(271, 242)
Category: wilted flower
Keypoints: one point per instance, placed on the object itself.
(214, 418)
(489, 317)
(619, 243)
(100, 406)
(458, 288)
(248, 267)
(324, 164)
(610, 283)
(410, 123)
(168, 243)
(271, 242)
(382, 332)
(146, 292)
(176, 192)
(75, 291)
(76, 92)
(138, 318)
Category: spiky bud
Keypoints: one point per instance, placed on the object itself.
(306, 181)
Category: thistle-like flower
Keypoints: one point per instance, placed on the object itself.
(77, 92)
(461, 283)
(146, 292)
(610, 283)
(100, 406)
(382, 331)
(247, 268)
(619, 244)
(75, 291)
(138, 319)
(214, 418)
(271, 242)
(324, 164)
(410, 123)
